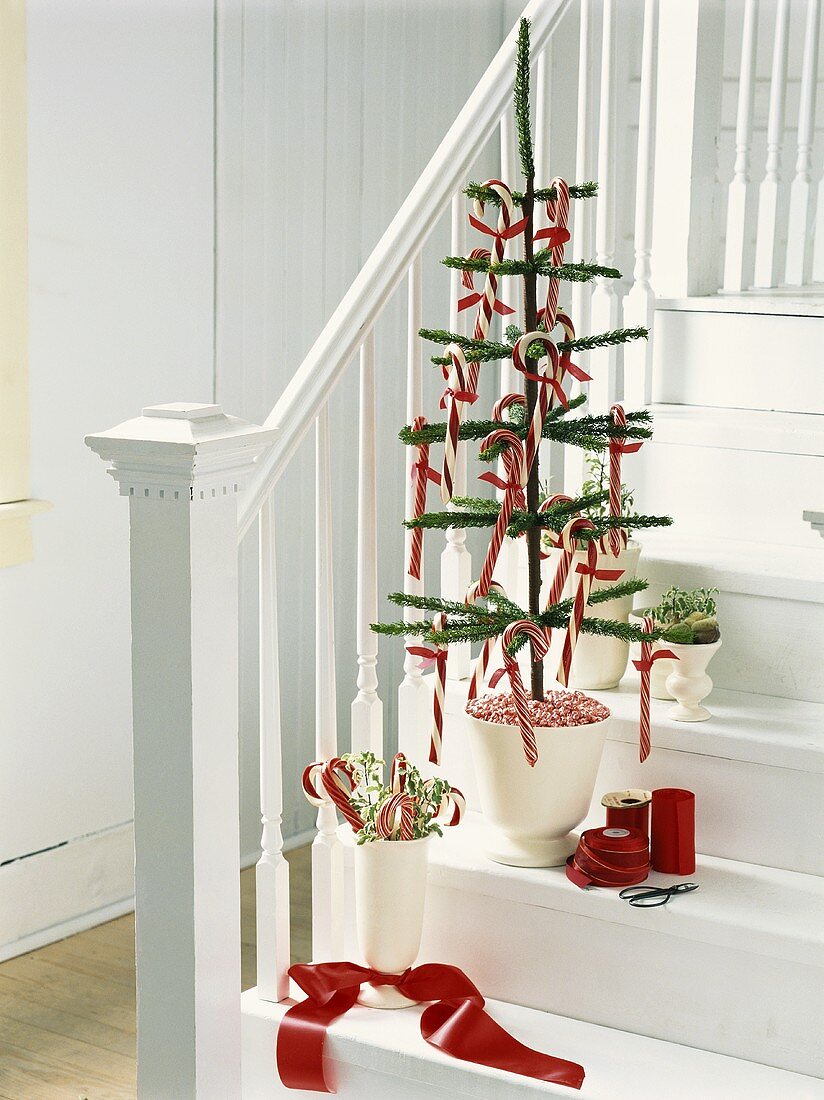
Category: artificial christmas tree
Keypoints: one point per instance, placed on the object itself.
(519, 423)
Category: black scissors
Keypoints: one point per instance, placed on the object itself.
(647, 896)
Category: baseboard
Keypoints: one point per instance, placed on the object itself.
(65, 890)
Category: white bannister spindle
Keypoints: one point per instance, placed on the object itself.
(639, 304)
(767, 264)
(456, 562)
(552, 454)
(800, 225)
(414, 701)
(738, 249)
(367, 708)
(272, 871)
(605, 306)
(327, 851)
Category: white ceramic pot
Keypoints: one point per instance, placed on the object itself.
(530, 812)
(688, 683)
(599, 663)
(390, 891)
(661, 668)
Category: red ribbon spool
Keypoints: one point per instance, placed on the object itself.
(628, 810)
(609, 857)
(673, 831)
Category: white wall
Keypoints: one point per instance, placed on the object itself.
(121, 244)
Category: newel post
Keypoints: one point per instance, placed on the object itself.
(687, 208)
(181, 467)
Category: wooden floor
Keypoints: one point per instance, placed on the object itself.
(67, 1011)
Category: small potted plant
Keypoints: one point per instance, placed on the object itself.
(393, 827)
(690, 628)
(601, 660)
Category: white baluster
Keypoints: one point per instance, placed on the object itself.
(272, 871)
(367, 708)
(738, 250)
(639, 304)
(414, 700)
(605, 306)
(767, 263)
(327, 851)
(456, 562)
(800, 225)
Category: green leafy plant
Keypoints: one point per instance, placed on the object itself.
(370, 793)
(688, 617)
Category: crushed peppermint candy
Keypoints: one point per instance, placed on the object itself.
(559, 708)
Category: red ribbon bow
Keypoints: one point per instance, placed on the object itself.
(645, 663)
(456, 1023)
(555, 236)
(507, 486)
(598, 574)
(432, 656)
(501, 234)
(425, 469)
(458, 395)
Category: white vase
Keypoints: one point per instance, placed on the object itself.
(531, 812)
(688, 683)
(390, 891)
(599, 662)
(661, 668)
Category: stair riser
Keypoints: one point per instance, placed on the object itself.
(732, 360)
(732, 494)
(636, 979)
(771, 646)
(746, 811)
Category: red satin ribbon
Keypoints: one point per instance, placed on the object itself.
(555, 236)
(473, 299)
(425, 468)
(604, 860)
(456, 1023)
(507, 486)
(506, 235)
(431, 658)
(458, 395)
(598, 574)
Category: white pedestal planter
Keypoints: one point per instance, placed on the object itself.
(599, 663)
(530, 812)
(688, 683)
(660, 669)
(390, 891)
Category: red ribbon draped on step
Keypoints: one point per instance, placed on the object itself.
(455, 1023)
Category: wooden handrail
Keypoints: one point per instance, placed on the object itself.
(389, 262)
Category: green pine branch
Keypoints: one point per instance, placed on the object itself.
(488, 351)
(521, 97)
(586, 190)
(540, 264)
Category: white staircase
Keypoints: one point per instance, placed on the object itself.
(720, 994)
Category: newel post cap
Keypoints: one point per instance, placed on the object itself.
(181, 451)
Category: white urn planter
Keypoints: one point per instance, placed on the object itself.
(688, 683)
(390, 892)
(530, 812)
(661, 668)
(599, 663)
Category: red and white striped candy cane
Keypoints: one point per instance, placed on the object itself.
(586, 573)
(397, 774)
(396, 816)
(435, 656)
(506, 402)
(644, 666)
(556, 237)
(540, 645)
(568, 545)
(617, 446)
(468, 280)
(548, 381)
(482, 663)
(332, 781)
(459, 392)
(513, 487)
(545, 505)
(422, 473)
(452, 807)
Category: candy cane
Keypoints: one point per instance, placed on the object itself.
(644, 666)
(397, 774)
(617, 446)
(545, 506)
(468, 280)
(540, 645)
(422, 473)
(479, 671)
(568, 546)
(459, 392)
(506, 402)
(396, 814)
(453, 804)
(435, 655)
(337, 779)
(516, 475)
(551, 381)
(587, 573)
(556, 236)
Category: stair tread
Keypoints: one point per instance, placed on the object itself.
(760, 729)
(769, 911)
(781, 301)
(617, 1063)
(753, 568)
(739, 429)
